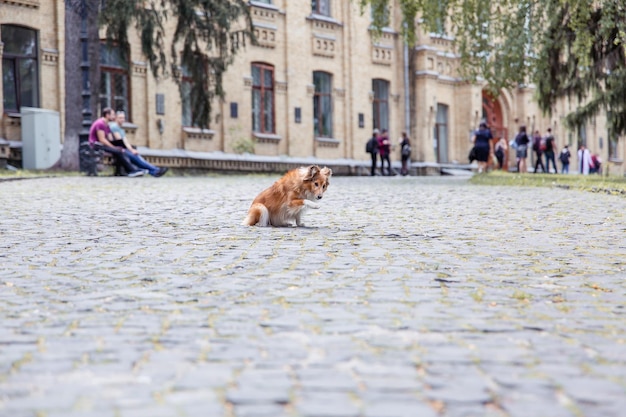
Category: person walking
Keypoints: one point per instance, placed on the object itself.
(405, 153)
(537, 148)
(584, 160)
(120, 140)
(521, 140)
(550, 151)
(372, 148)
(384, 149)
(564, 157)
(483, 147)
(501, 149)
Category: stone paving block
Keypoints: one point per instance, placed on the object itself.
(173, 306)
(261, 410)
(398, 409)
(258, 395)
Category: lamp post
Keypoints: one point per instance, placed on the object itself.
(87, 156)
(84, 66)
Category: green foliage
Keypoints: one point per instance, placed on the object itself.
(244, 146)
(567, 48)
(206, 38)
(613, 185)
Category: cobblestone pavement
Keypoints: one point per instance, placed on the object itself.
(405, 297)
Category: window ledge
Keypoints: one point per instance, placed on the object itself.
(616, 161)
(322, 18)
(329, 142)
(129, 126)
(13, 114)
(266, 137)
(197, 133)
(263, 5)
(385, 29)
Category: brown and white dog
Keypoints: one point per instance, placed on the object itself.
(287, 199)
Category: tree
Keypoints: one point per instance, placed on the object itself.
(207, 35)
(567, 48)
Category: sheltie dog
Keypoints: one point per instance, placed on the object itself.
(287, 199)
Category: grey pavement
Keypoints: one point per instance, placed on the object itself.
(404, 297)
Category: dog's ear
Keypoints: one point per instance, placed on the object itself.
(327, 172)
(312, 171)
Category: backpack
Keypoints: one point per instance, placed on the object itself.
(564, 157)
(536, 144)
(406, 150)
(371, 146)
(499, 152)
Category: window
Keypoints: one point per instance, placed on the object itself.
(321, 7)
(441, 133)
(262, 98)
(113, 79)
(20, 69)
(264, 1)
(187, 108)
(612, 139)
(380, 11)
(380, 105)
(322, 105)
(582, 135)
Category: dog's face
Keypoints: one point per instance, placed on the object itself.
(316, 181)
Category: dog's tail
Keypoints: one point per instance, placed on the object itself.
(258, 214)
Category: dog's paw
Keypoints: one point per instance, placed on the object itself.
(312, 205)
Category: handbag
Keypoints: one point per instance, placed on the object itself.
(472, 154)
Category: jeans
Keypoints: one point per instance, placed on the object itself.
(384, 158)
(565, 169)
(550, 157)
(119, 155)
(141, 163)
(374, 158)
(539, 162)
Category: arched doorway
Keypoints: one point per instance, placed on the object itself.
(492, 115)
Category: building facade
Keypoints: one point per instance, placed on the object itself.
(316, 85)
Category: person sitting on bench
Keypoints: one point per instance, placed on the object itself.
(100, 137)
(119, 139)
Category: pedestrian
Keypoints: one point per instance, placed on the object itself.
(384, 149)
(501, 150)
(405, 153)
(119, 139)
(372, 148)
(483, 147)
(564, 157)
(596, 163)
(550, 151)
(538, 147)
(521, 140)
(584, 160)
(100, 137)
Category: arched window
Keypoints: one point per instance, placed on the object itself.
(322, 105)
(380, 105)
(114, 80)
(262, 98)
(20, 68)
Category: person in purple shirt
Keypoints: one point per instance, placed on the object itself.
(384, 149)
(100, 137)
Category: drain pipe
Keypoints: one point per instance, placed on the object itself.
(407, 99)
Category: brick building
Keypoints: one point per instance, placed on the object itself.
(316, 85)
